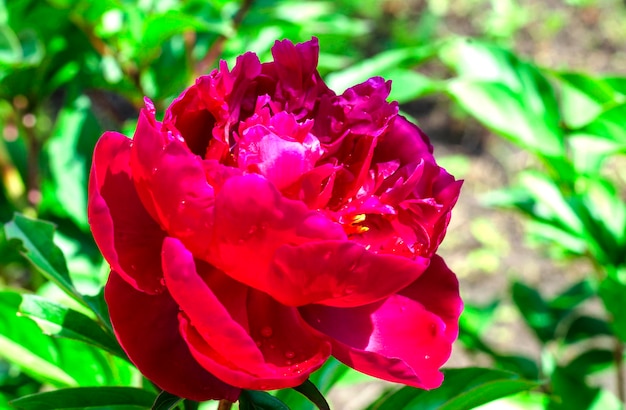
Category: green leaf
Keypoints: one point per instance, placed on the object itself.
(161, 27)
(332, 372)
(508, 95)
(591, 361)
(551, 203)
(259, 400)
(166, 401)
(82, 397)
(310, 391)
(39, 248)
(583, 97)
(22, 343)
(570, 390)
(381, 63)
(586, 327)
(69, 153)
(609, 124)
(462, 389)
(589, 152)
(535, 311)
(58, 320)
(500, 109)
(613, 294)
(573, 296)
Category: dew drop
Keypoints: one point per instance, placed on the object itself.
(162, 281)
(427, 357)
(289, 355)
(267, 331)
(349, 290)
(154, 170)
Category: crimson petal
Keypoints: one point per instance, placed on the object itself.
(405, 338)
(240, 334)
(127, 236)
(147, 328)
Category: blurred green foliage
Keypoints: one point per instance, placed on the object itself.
(70, 69)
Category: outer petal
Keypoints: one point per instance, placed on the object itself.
(172, 184)
(239, 334)
(147, 328)
(127, 236)
(340, 273)
(405, 338)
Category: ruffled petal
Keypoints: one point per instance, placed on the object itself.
(147, 328)
(237, 333)
(405, 142)
(405, 338)
(127, 236)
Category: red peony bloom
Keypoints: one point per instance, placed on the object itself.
(267, 223)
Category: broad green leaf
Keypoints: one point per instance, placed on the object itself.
(408, 85)
(58, 320)
(259, 400)
(570, 390)
(535, 311)
(22, 343)
(166, 401)
(573, 296)
(462, 389)
(377, 65)
(506, 94)
(10, 48)
(160, 27)
(38, 247)
(33, 364)
(613, 294)
(85, 397)
(586, 327)
(591, 361)
(609, 124)
(588, 152)
(69, 153)
(583, 98)
(550, 202)
(499, 108)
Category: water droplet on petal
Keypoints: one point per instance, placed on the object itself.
(162, 281)
(349, 290)
(266, 331)
(288, 363)
(289, 354)
(427, 357)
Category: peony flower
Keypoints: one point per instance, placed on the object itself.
(267, 223)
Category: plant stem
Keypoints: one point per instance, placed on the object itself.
(224, 405)
(618, 358)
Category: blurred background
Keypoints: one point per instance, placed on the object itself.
(524, 99)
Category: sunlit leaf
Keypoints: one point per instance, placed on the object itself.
(462, 389)
(61, 321)
(84, 397)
